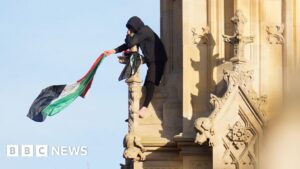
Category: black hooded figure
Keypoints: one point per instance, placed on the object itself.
(153, 50)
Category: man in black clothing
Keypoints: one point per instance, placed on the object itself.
(154, 54)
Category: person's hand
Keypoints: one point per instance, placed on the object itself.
(109, 52)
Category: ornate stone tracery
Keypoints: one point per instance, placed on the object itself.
(239, 135)
(240, 143)
(235, 144)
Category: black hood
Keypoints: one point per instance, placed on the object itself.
(135, 23)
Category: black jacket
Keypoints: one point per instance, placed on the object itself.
(150, 44)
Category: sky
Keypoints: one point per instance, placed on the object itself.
(45, 43)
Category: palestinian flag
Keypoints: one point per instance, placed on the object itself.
(55, 98)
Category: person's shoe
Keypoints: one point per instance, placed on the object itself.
(126, 120)
(142, 112)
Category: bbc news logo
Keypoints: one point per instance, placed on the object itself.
(45, 150)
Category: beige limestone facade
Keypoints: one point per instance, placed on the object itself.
(230, 65)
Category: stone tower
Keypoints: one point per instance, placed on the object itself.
(230, 63)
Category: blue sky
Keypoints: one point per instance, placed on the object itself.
(43, 43)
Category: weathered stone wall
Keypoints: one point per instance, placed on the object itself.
(192, 31)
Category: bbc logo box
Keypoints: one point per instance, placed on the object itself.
(26, 150)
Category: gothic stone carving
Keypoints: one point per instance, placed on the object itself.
(240, 143)
(234, 79)
(204, 128)
(274, 34)
(239, 135)
(237, 143)
(201, 38)
(238, 40)
(133, 148)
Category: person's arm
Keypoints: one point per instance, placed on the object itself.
(121, 48)
(116, 50)
(130, 41)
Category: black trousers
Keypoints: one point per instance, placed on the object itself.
(153, 77)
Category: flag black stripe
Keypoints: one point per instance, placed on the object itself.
(43, 100)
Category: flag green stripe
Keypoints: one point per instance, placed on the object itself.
(62, 103)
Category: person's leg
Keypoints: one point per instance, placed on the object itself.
(149, 86)
(149, 93)
(148, 97)
(154, 74)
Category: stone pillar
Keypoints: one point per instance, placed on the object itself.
(134, 96)
(290, 52)
(134, 150)
(271, 60)
(171, 35)
(194, 60)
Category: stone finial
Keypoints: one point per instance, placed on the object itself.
(239, 21)
(238, 40)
